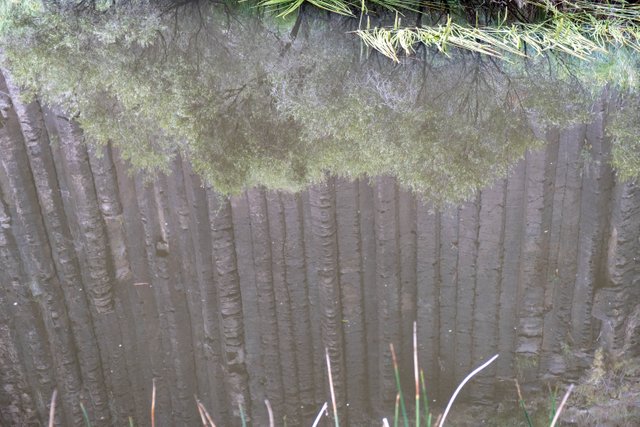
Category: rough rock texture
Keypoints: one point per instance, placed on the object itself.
(108, 282)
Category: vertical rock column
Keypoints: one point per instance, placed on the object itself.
(513, 226)
(532, 275)
(352, 298)
(464, 330)
(171, 293)
(428, 307)
(146, 326)
(19, 193)
(596, 205)
(312, 259)
(268, 323)
(46, 179)
(230, 306)
(251, 314)
(407, 242)
(447, 287)
(324, 228)
(387, 284)
(563, 249)
(184, 268)
(296, 282)
(23, 349)
(96, 262)
(487, 290)
(368, 264)
(618, 293)
(283, 308)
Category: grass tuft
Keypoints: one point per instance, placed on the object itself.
(400, 409)
(580, 29)
(207, 420)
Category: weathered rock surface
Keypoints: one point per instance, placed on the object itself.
(108, 281)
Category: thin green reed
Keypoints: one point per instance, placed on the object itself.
(243, 418)
(415, 371)
(522, 405)
(425, 398)
(85, 415)
(397, 410)
(396, 371)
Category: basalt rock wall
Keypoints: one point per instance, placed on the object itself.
(112, 284)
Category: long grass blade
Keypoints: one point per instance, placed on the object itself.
(52, 408)
(272, 422)
(85, 415)
(425, 399)
(204, 414)
(553, 397)
(202, 418)
(153, 402)
(415, 372)
(243, 417)
(464, 381)
(561, 407)
(201, 413)
(396, 413)
(438, 420)
(333, 393)
(522, 404)
(319, 416)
